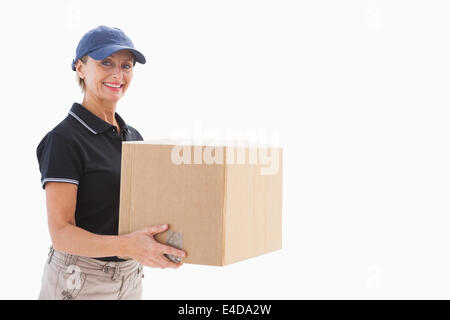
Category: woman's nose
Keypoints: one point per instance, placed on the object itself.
(117, 72)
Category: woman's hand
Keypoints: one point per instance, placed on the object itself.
(143, 248)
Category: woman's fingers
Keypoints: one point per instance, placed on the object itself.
(161, 262)
(151, 230)
(156, 258)
(169, 263)
(154, 263)
(171, 250)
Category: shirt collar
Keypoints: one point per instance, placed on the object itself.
(93, 123)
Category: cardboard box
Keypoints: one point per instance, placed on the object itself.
(222, 203)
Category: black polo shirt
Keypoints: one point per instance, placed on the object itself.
(86, 150)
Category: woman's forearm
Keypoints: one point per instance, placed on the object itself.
(74, 240)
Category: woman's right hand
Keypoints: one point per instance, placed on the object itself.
(142, 247)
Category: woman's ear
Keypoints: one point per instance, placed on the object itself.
(78, 68)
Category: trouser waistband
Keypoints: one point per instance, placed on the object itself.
(113, 269)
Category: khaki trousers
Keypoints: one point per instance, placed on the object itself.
(68, 277)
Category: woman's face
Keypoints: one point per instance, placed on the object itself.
(101, 77)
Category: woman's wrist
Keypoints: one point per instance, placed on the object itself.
(124, 245)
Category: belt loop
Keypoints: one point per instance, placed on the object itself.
(73, 259)
(50, 254)
(66, 259)
(70, 259)
(111, 265)
(116, 274)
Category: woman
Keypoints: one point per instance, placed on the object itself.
(79, 162)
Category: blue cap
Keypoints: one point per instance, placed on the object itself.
(103, 41)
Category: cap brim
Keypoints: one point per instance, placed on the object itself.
(105, 52)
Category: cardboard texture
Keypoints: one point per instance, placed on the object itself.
(219, 212)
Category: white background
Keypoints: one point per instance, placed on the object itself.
(356, 92)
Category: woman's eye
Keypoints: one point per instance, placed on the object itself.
(108, 63)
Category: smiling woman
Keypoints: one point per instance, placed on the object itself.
(108, 78)
(80, 163)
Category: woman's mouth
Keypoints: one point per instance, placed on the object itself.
(114, 86)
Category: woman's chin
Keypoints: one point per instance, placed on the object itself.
(112, 97)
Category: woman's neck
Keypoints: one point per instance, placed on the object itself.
(104, 111)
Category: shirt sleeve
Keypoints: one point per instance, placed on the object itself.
(136, 135)
(140, 138)
(58, 160)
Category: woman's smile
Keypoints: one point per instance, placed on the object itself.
(114, 86)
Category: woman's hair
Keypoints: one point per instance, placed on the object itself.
(79, 80)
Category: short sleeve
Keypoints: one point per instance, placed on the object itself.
(58, 160)
(136, 135)
(140, 138)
